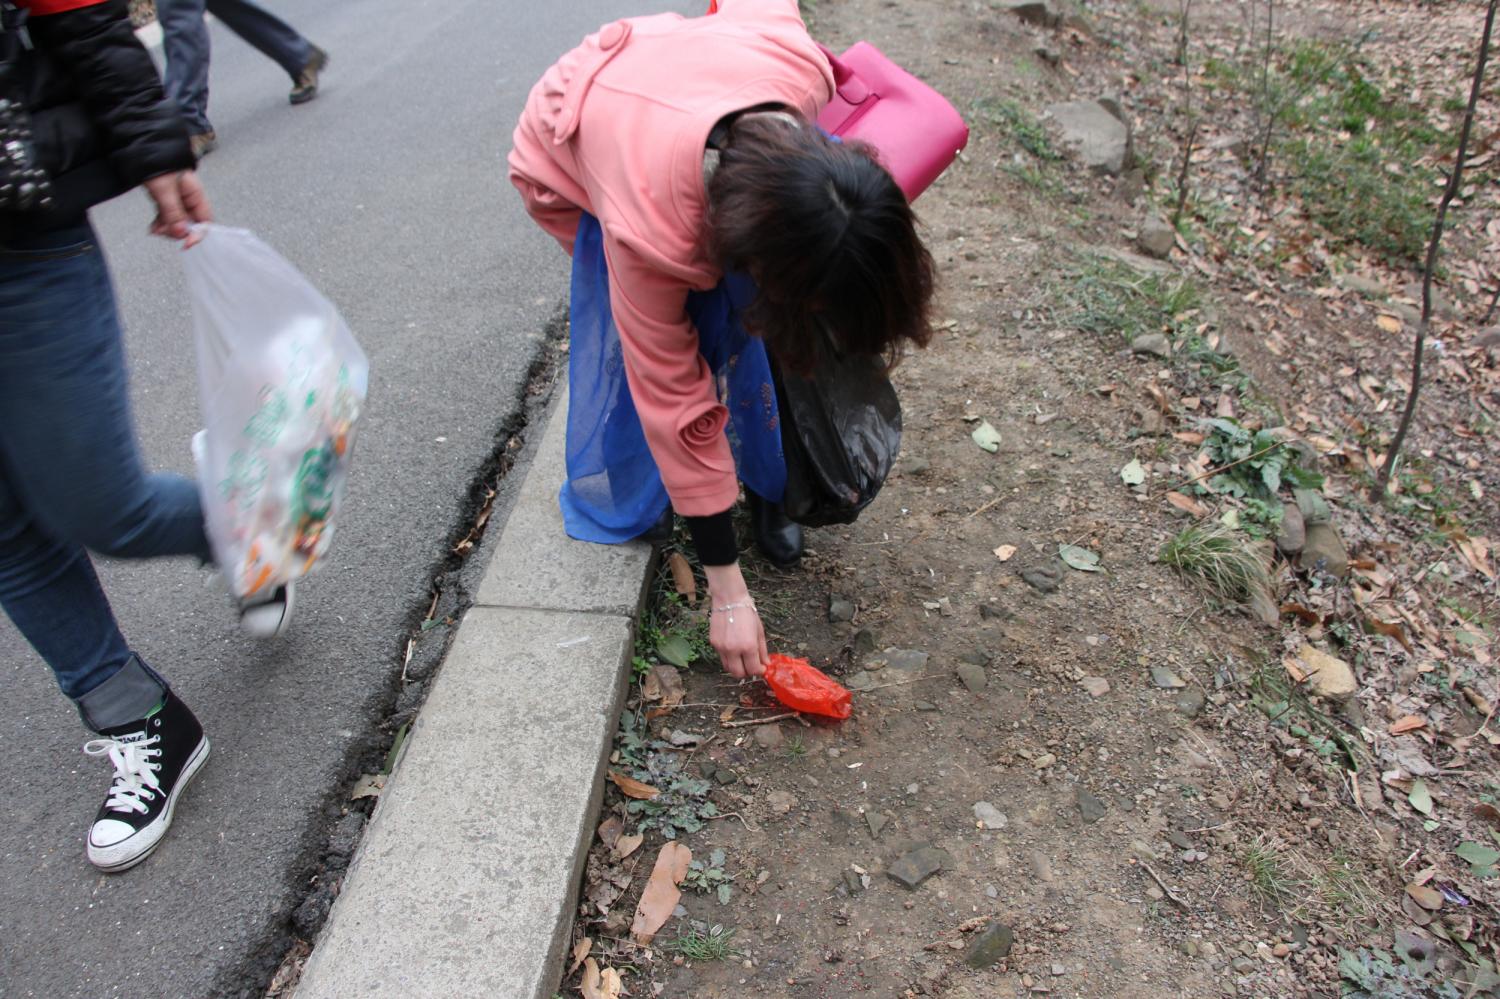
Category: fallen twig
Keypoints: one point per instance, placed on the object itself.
(760, 721)
(1169, 892)
(899, 683)
(734, 815)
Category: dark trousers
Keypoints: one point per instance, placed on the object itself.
(185, 40)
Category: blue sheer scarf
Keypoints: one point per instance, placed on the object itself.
(613, 490)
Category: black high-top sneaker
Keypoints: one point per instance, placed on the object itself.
(154, 759)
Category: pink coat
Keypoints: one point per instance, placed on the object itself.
(617, 128)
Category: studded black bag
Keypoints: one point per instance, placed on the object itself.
(24, 184)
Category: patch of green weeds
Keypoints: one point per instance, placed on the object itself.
(1219, 559)
(1287, 706)
(714, 944)
(708, 877)
(1016, 123)
(682, 806)
(668, 631)
(1371, 973)
(1262, 463)
(1273, 878)
(1108, 298)
(796, 747)
(1044, 182)
(1345, 892)
(1261, 518)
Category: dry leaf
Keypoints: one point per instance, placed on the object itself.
(661, 895)
(1428, 898)
(1293, 668)
(633, 788)
(1476, 552)
(668, 685)
(600, 985)
(1389, 630)
(580, 951)
(1408, 724)
(682, 578)
(610, 829)
(1388, 323)
(626, 845)
(1306, 616)
(1004, 552)
(727, 713)
(1187, 504)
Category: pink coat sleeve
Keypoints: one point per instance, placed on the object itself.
(552, 198)
(670, 383)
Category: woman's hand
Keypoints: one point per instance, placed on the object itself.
(180, 201)
(734, 628)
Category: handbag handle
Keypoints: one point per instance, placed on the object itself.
(850, 87)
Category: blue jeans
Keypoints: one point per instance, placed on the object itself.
(185, 41)
(71, 478)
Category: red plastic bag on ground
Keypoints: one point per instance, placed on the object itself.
(803, 687)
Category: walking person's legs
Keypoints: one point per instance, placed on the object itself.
(70, 477)
(277, 40)
(185, 43)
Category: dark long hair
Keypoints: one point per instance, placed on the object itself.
(829, 239)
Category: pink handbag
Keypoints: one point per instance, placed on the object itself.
(916, 132)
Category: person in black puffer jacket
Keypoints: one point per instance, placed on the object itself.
(71, 477)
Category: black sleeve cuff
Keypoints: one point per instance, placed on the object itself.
(713, 537)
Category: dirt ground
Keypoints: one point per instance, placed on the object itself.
(1116, 769)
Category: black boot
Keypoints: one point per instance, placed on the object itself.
(779, 538)
(154, 759)
(660, 532)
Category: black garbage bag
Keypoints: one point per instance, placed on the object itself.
(840, 432)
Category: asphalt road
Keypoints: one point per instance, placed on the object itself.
(389, 192)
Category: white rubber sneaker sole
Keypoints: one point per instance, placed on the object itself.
(270, 619)
(128, 852)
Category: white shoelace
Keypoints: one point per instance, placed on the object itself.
(135, 774)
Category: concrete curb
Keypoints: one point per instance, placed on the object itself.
(464, 882)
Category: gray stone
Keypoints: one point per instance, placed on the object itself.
(1101, 140)
(906, 660)
(1190, 702)
(1324, 551)
(1111, 103)
(1234, 145)
(973, 677)
(1362, 284)
(863, 642)
(1038, 12)
(345, 836)
(1090, 807)
(917, 866)
(559, 573)
(991, 946)
(840, 609)
(1156, 238)
(924, 705)
(1155, 344)
(1046, 578)
(860, 680)
(1242, 965)
(1313, 506)
(991, 612)
(1047, 54)
(876, 821)
(975, 656)
(852, 882)
(769, 736)
(989, 816)
(432, 861)
(1179, 839)
(1291, 537)
(915, 466)
(1165, 678)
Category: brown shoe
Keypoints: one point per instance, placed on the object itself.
(203, 143)
(307, 81)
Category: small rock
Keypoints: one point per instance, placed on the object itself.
(924, 705)
(863, 642)
(1313, 506)
(840, 609)
(1097, 686)
(1047, 54)
(1058, 971)
(1045, 578)
(1154, 344)
(1044, 761)
(1041, 867)
(974, 656)
(769, 736)
(915, 466)
(1292, 535)
(917, 866)
(1101, 140)
(991, 947)
(876, 821)
(852, 882)
(1179, 839)
(972, 677)
(1038, 12)
(1242, 965)
(1281, 950)
(860, 680)
(1328, 675)
(1166, 679)
(1156, 238)
(1090, 807)
(906, 660)
(1190, 701)
(945, 607)
(781, 802)
(989, 816)
(1362, 284)
(991, 612)
(1324, 551)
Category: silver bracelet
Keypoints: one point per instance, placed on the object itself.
(731, 608)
